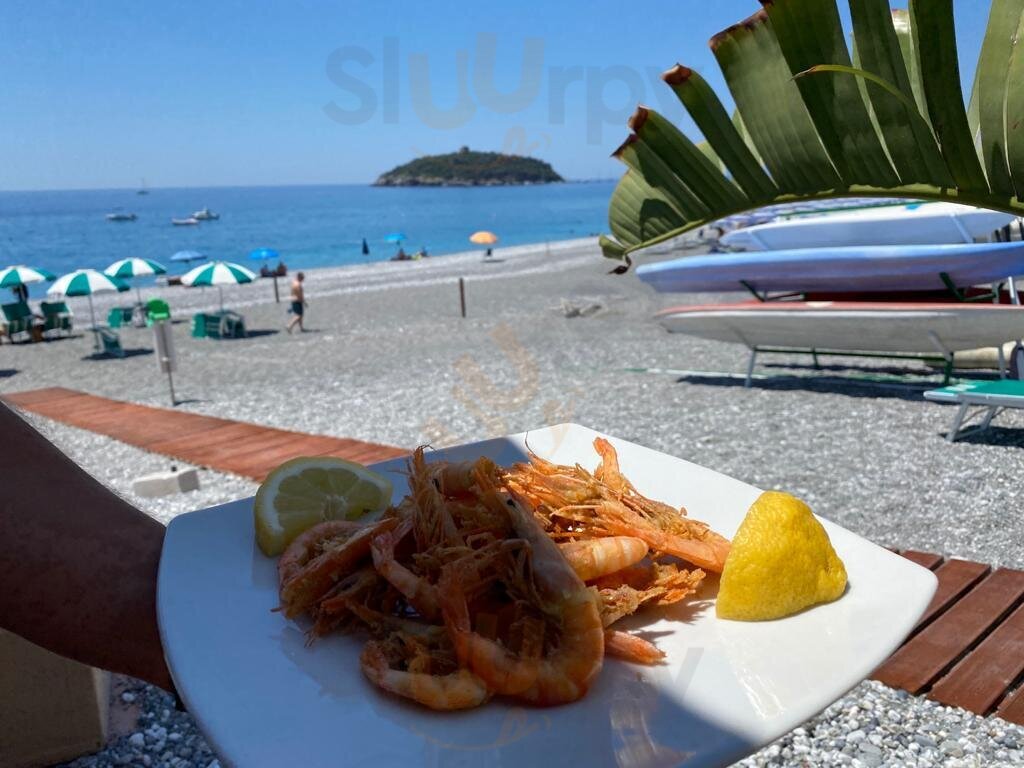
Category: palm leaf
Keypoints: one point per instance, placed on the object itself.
(811, 122)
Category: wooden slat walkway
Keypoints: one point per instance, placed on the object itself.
(229, 446)
(968, 648)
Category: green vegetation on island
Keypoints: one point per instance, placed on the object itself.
(467, 168)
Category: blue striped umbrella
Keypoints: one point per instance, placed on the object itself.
(187, 256)
(218, 273)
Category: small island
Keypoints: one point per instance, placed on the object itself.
(467, 168)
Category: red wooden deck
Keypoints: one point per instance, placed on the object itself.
(968, 648)
(229, 446)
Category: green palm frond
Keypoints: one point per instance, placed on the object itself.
(812, 123)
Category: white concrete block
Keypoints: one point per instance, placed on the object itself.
(166, 483)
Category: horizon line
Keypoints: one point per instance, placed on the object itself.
(149, 189)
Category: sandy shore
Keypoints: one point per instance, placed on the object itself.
(388, 358)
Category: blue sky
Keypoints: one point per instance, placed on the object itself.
(105, 94)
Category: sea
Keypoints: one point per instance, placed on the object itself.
(309, 226)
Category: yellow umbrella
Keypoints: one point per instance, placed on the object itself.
(483, 238)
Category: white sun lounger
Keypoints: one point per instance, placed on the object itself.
(990, 396)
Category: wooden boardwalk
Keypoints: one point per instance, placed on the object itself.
(968, 649)
(229, 446)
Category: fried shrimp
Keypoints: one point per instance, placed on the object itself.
(486, 581)
(629, 647)
(317, 558)
(593, 558)
(458, 689)
(421, 594)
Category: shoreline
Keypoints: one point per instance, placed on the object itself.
(328, 281)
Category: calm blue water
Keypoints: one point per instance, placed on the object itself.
(309, 226)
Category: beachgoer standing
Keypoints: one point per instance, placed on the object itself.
(298, 300)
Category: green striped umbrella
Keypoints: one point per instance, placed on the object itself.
(86, 282)
(128, 268)
(22, 275)
(218, 273)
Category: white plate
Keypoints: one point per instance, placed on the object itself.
(263, 698)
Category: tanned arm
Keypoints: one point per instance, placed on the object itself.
(78, 564)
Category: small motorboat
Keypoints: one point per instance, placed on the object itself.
(191, 221)
(205, 214)
(121, 217)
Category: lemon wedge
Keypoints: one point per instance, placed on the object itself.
(308, 490)
(781, 562)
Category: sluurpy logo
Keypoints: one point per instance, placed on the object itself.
(372, 83)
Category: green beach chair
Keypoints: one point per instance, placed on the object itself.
(218, 325)
(17, 319)
(56, 317)
(988, 396)
(118, 316)
(108, 342)
(157, 310)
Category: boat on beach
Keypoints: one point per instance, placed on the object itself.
(857, 326)
(205, 214)
(191, 221)
(915, 223)
(117, 216)
(864, 269)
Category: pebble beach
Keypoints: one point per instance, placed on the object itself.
(549, 337)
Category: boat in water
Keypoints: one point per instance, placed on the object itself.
(858, 326)
(191, 221)
(205, 214)
(915, 223)
(867, 269)
(116, 216)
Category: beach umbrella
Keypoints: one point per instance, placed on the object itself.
(394, 237)
(264, 254)
(483, 238)
(22, 275)
(188, 256)
(86, 282)
(219, 273)
(268, 254)
(128, 268)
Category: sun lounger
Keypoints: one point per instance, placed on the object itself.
(56, 317)
(988, 396)
(218, 325)
(107, 342)
(17, 319)
(118, 316)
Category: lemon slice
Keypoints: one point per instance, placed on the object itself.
(781, 561)
(308, 490)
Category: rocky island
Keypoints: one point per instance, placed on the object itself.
(467, 168)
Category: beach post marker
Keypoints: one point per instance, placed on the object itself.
(462, 295)
(166, 358)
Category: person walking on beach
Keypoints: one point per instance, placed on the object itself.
(298, 300)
